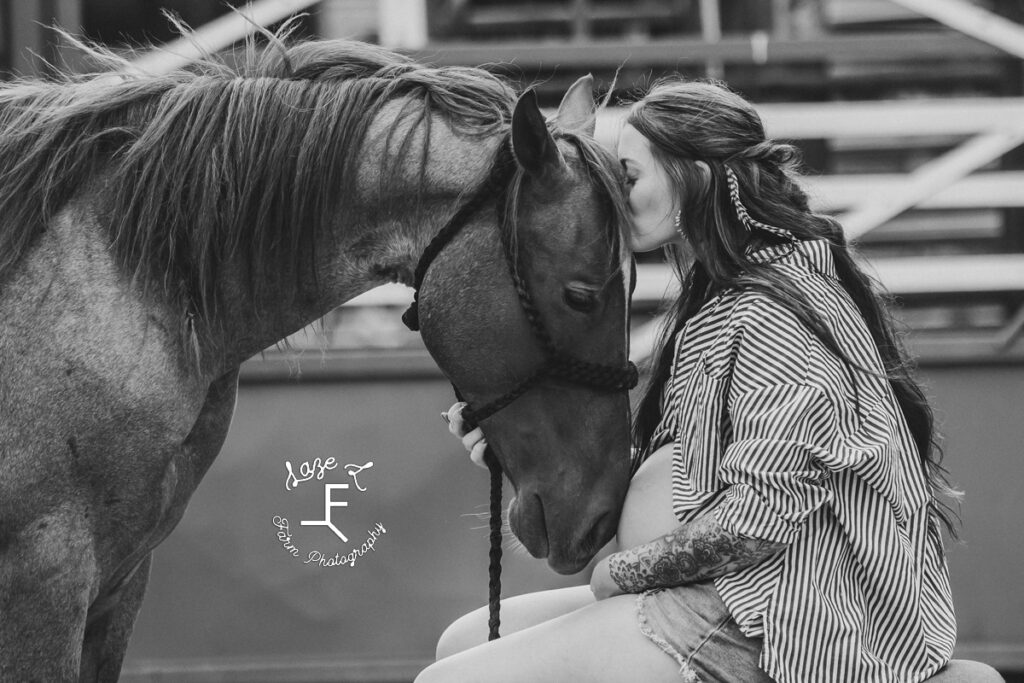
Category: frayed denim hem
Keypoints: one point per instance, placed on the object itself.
(686, 672)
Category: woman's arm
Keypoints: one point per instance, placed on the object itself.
(696, 551)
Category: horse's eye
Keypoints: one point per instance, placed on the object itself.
(580, 300)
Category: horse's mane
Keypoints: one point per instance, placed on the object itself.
(216, 160)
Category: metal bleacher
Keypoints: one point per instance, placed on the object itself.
(911, 128)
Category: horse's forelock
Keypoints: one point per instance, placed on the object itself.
(605, 176)
(609, 179)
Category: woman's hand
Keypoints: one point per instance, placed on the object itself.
(601, 583)
(474, 441)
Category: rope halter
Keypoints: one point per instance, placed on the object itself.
(557, 363)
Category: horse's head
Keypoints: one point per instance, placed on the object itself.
(527, 313)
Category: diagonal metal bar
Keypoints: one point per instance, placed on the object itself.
(1011, 331)
(979, 190)
(974, 21)
(218, 34)
(870, 120)
(930, 178)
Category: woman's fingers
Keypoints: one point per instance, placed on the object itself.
(477, 453)
(456, 427)
(454, 418)
(470, 440)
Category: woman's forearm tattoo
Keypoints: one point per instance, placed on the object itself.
(696, 551)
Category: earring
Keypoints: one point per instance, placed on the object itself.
(676, 222)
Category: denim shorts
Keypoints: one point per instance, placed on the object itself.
(693, 625)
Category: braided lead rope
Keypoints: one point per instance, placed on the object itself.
(469, 419)
(494, 554)
(749, 222)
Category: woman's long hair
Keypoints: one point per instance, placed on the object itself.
(697, 129)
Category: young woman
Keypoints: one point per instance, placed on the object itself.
(783, 524)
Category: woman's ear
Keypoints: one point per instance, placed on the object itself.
(532, 144)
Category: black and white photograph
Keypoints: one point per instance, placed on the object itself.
(511, 341)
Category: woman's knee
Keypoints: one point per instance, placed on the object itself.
(600, 643)
(517, 613)
(440, 672)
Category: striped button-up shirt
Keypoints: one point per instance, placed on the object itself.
(795, 447)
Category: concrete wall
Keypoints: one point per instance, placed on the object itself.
(228, 602)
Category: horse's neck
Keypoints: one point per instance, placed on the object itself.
(379, 239)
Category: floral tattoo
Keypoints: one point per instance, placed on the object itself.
(696, 551)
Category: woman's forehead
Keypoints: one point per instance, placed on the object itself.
(633, 146)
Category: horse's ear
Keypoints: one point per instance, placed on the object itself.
(577, 113)
(532, 144)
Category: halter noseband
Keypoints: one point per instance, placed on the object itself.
(557, 363)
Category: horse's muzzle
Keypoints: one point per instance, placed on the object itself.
(568, 538)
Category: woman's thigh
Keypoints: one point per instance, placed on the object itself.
(596, 643)
(517, 613)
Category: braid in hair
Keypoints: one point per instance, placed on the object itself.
(741, 211)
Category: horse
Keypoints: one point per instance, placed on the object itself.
(158, 230)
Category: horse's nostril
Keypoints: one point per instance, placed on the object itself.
(542, 524)
(529, 524)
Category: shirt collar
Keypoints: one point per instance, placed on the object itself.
(809, 255)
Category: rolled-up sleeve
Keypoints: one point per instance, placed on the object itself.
(772, 465)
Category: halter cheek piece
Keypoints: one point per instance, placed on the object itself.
(557, 363)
